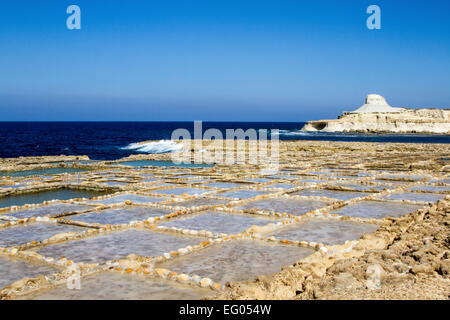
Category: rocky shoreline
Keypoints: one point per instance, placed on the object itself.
(376, 116)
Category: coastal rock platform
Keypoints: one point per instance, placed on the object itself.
(378, 117)
(338, 220)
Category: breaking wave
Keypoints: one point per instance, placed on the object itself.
(162, 146)
(293, 133)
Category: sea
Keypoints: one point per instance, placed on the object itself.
(114, 140)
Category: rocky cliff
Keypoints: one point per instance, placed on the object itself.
(435, 121)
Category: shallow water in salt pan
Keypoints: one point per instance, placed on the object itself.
(127, 197)
(115, 286)
(15, 186)
(38, 231)
(377, 209)
(38, 197)
(157, 163)
(281, 186)
(242, 194)
(394, 183)
(430, 188)
(199, 202)
(225, 185)
(180, 191)
(114, 183)
(341, 195)
(326, 232)
(218, 222)
(45, 171)
(120, 215)
(446, 181)
(424, 197)
(52, 210)
(361, 187)
(237, 260)
(313, 181)
(118, 245)
(282, 176)
(259, 180)
(292, 206)
(150, 180)
(404, 176)
(12, 270)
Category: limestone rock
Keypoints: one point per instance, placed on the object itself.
(376, 116)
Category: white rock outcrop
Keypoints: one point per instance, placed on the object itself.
(376, 116)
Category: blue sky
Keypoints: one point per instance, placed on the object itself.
(219, 59)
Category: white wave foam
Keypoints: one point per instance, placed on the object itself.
(294, 133)
(162, 146)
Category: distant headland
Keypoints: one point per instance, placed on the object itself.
(377, 116)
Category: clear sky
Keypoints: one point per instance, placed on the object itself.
(236, 60)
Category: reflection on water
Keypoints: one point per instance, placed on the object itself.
(45, 171)
(41, 196)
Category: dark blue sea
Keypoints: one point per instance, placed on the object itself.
(113, 140)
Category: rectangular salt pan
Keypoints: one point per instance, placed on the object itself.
(446, 181)
(326, 232)
(423, 197)
(292, 206)
(180, 191)
(12, 270)
(45, 171)
(225, 185)
(281, 186)
(51, 210)
(218, 222)
(430, 188)
(340, 195)
(120, 215)
(39, 197)
(312, 181)
(199, 202)
(115, 286)
(281, 176)
(21, 234)
(242, 194)
(364, 187)
(377, 209)
(16, 186)
(118, 245)
(259, 180)
(156, 163)
(407, 177)
(391, 182)
(237, 260)
(335, 176)
(112, 184)
(128, 197)
(195, 179)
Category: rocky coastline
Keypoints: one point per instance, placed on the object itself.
(375, 119)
